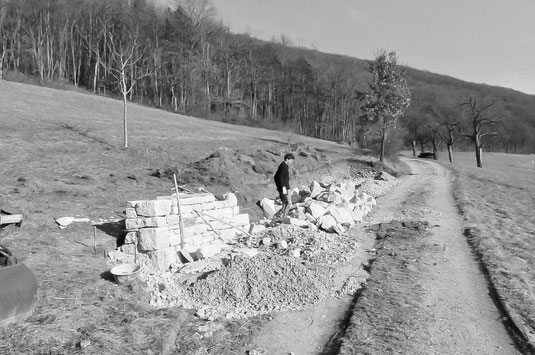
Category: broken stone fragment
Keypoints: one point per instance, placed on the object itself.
(327, 223)
(256, 228)
(268, 206)
(310, 218)
(282, 244)
(339, 229)
(266, 241)
(341, 214)
(295, 221)
(315, 189)
(163, 258)
(296, 253)
(207, 251)
(316, 210)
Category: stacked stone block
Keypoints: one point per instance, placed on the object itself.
(153, 226)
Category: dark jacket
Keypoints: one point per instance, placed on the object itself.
(282, 177)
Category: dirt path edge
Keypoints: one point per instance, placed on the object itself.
(520, 332)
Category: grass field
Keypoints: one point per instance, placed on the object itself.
(498, 204)
(61, 156)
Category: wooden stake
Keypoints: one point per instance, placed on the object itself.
(182, 241)
(94, 240)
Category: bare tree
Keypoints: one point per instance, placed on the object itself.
(125, 54)
(449, 136)
(479, 125)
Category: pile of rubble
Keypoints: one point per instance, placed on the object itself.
(332, 208)
(267, 266)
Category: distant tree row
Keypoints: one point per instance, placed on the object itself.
(184, 61)
(175, 59)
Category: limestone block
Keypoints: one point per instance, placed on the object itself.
(315, 189)
(134, 223)
(130, 237)
(189, 231)
(228, 235)
(142, 222)
(223, 213)
(163, 258)
(312, 226)
(153, 208)
(347, 190)
(173, 220)
(255, 228)
(316, 209)
(207, 251)
(366, 209)
(338, 199)
(339, 229)
(358, 215)
(310, 218)
(328, 223)
(129, 249)
(132, 204)
(201, 228)
(174, 237)
(342, 214)
(194, 199)
(193, 241)
(207, 237)
(294, 221)
(240, 219)
(130, 212)
(268, 206)
(230, 199)
(235, 210)
(326, 197)
(214, 205)
(153, 238)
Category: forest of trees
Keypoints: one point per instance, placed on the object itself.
(185, 61)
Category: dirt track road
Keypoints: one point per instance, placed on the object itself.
(458, 315)
(464, 317)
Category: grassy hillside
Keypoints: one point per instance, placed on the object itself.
(61, 156)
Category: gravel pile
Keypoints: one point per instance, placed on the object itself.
(318, 247)
(264, 284)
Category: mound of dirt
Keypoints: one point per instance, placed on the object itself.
(264, 283)
(248, 174)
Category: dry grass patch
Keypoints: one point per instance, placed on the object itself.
(498, 205)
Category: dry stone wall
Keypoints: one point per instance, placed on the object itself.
(153, 228)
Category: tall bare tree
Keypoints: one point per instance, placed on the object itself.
(479, 124)
(126, 53)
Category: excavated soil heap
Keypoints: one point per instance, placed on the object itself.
(264, 283)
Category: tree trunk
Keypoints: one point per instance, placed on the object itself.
(413, 146)
(382, 154)
(450, 152)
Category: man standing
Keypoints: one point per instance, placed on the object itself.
(282, 180)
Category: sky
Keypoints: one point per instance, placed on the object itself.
(482, 41)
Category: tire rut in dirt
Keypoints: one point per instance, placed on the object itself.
(387, 315)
